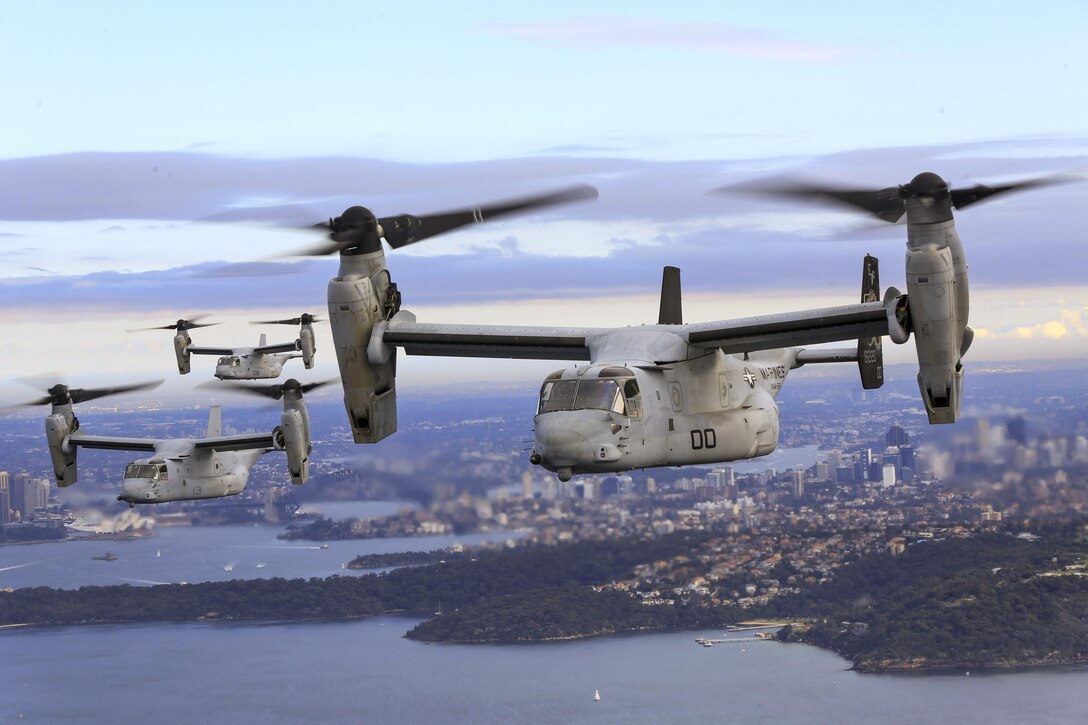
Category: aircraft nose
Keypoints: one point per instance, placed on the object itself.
(565, 439)
(135, 490)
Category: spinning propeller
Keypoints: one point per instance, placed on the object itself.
(180, 325)
(358, 231)
(305, 319)
(61, 394)
(275, 391)
(890, 204)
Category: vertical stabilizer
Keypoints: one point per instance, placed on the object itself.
(870, 351)
(215, 422)
(264, 340)
(671, 311)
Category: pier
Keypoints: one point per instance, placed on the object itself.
(761, 635)
(767, 636)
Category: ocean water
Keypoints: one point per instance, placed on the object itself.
(208, 553)
(367, 672)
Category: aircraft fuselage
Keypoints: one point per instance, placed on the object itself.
(252, 366)
(159, 479)
(714, 408)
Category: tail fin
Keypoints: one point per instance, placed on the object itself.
(264, 340)
(670, 312)
(870, 351)
(215, 422)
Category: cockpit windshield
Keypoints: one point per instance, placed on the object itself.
(154, 471)
(557, 395)
(611, 394)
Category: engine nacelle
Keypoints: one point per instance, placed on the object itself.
(290, 437)
(361, 297)
(57, 429)
(760, 415)
(307, 346)
(938, 331)
(182, 341)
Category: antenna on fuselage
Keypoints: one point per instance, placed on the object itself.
(671, 311)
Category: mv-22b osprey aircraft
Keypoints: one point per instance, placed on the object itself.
(673, 393)
(245, 363)
(181, 469)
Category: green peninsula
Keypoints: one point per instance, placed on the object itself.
(995, 601)
(990, 601)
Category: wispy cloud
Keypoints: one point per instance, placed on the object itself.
(714, 37)
(649, 214)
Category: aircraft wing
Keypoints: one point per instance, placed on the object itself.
(113, 443)
(210, 350)
(495, 341)
(282, 347)
(235, 443)
(793, 329)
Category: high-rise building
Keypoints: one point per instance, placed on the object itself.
(37, 494)
(889, 474)
(906, 456)
(527, 485)
(1017, 429)
(834, 459)
(897, 436)
(5, 498)
(798, 481)
(983, 437)
(19, 483)
(891, 457)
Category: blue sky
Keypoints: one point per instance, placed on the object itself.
(128, 123)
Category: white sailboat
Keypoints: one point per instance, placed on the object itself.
(596, 695)
(158, 553)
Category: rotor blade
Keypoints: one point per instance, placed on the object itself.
(317, 249)
(305, 318)
(82, 395)
(274, 391)
(405, 229)
(314, 386)
(190, 324)
(962, 198)
(885, 204)
(60, 393)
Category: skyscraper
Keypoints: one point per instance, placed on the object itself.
(798, 480)
(5, 498)
(1017, 429)
(897, 436)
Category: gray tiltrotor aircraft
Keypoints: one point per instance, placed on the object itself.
(673, 393)
(184, 468)
(245, 363)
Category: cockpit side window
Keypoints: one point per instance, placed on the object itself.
(144, 470)
(161, 472)
(556, 395)
(634, 398)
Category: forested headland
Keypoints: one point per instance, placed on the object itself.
(995, 601)
(986, 602)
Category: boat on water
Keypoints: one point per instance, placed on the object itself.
(158, 553)
(108, 556)
(261, 565)
(324, 546)
(596, 695)
(228, 567)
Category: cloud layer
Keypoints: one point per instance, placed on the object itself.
(649, 214)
